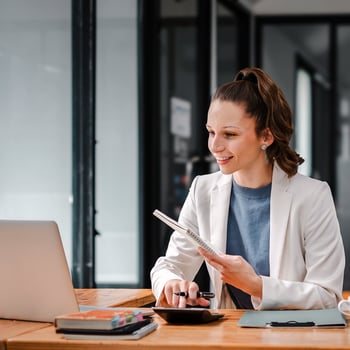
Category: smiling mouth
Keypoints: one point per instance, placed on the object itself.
(222, 159)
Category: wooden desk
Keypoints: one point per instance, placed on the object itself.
(223, 334)
(98, 297)
(11, 328)
(115, 297)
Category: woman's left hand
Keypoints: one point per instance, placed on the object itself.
(236, 271)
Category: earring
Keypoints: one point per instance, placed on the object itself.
(263, 147)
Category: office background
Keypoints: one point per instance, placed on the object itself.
(103, 106)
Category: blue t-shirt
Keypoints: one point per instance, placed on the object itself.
(248, 233)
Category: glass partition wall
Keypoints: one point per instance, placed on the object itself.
(36, 127)
(35, 113)
(38, 145)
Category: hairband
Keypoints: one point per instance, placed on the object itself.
(249, 77)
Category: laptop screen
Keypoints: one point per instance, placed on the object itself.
(35, 280)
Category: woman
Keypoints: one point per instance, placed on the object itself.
(277, 229)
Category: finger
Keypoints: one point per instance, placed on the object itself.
(204, 253)
(216, 265)
(203, 302)
(170, 288)
(193, 289)
(169, 295)
(211, 257)
(175, 300)
(182, 301)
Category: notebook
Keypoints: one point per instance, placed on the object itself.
(325, 318)
(35, 281)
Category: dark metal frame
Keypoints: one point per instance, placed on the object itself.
(83, 91)
(149, 142)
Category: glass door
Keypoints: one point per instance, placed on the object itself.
(117, 158)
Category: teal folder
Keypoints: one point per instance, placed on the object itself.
(325, 318)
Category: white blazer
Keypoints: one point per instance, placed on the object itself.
(307, 258)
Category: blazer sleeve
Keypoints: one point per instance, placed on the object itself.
(182, 260)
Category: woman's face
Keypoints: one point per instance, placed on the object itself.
(233, 140)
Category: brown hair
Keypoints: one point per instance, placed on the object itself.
(265, 102)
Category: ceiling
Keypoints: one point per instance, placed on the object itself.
(289, 7)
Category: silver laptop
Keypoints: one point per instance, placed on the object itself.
(35, 281)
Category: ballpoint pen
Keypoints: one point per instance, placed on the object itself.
(207, 295)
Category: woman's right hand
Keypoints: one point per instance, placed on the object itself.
(170, 299)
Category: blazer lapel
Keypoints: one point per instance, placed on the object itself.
(219, 204)
(279, 213)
